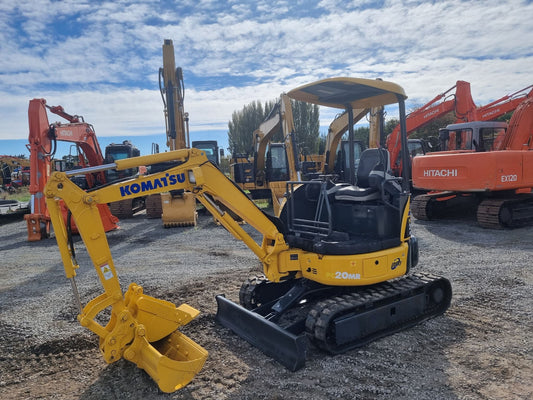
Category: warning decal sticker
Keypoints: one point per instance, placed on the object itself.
(106, 271)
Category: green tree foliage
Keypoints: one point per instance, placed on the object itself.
(432, 128)
(362, 133)
(428, 132)
(242, 125)
(322, 143)
(244, 122)
(306, 126)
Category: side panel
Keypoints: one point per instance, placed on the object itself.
(355, 270)
(499, 170)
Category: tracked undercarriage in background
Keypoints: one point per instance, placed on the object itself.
(502, 211)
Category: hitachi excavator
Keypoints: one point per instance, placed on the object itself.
(460, 102)
(176, 208)
(43, 138)
(462, 105)
(336, 262)
(489, 168)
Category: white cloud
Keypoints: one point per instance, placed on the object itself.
(107, 66)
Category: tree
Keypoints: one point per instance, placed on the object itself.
(306, 126)
(431, 129)
(244, 122)
(242, 125)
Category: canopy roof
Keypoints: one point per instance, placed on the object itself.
(349, 92)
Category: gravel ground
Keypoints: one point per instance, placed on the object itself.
(481, 348)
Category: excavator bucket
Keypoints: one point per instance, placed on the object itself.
(171, 362)
(179, 210)
(171, 358)
(280, 344)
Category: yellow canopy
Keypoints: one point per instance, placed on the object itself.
(348, 92)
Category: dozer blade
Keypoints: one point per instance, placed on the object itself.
(178, 210)
(286, 348)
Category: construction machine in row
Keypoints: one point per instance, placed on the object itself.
(336, 159)
(337, 262)
(462, 105)
(488, 169)
(273, 164)
(460, 102)
(43, 138)
(175, 208)
(120, 151)
(14, 172)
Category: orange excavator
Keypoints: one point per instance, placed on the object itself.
(461, 103)
(490, 168)
(43, 138)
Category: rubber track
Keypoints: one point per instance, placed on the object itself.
(122, 208)
(322, 316)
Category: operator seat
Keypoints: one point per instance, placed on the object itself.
(372, 171)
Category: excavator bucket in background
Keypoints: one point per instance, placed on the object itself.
(179, 210)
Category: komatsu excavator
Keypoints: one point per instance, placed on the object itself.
(335, 262)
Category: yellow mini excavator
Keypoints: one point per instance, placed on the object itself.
(335, 262)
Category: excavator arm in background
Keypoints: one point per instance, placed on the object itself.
(43, 138)
(276, 163)
(273, 163)
(461, 102)
(174, 208)
(503, 105)
(337, 128)
(280, 119)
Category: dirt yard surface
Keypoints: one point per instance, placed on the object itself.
(481, 348)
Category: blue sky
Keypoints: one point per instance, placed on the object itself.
(100, 59)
